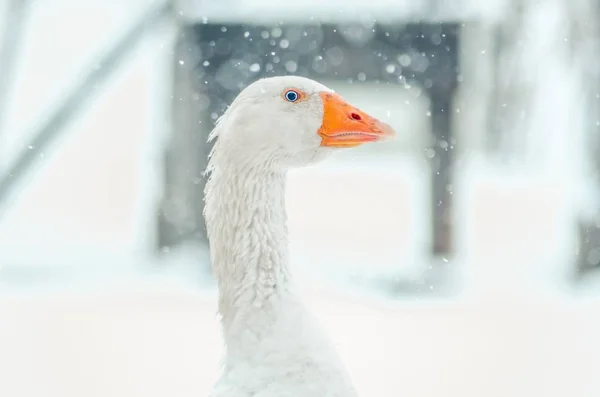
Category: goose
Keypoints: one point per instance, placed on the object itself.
(274, 346)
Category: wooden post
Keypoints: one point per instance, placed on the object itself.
(585, 32)
(180, 215)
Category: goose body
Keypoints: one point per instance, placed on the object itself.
(274, 345)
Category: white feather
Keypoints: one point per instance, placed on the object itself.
(274, 346)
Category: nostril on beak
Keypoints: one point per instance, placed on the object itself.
(355, 116)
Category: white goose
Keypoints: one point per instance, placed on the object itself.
(274, 346)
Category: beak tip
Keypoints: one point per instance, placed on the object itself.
(388, 133)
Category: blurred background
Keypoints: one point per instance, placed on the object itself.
(474, 270)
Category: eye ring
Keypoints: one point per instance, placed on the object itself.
(291, 96)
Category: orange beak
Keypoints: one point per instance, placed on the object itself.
(346, 126)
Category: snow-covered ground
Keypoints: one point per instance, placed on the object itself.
(85, 310)
(159, 339)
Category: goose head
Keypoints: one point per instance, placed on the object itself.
(289, 121)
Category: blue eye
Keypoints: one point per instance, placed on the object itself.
(292, 96)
